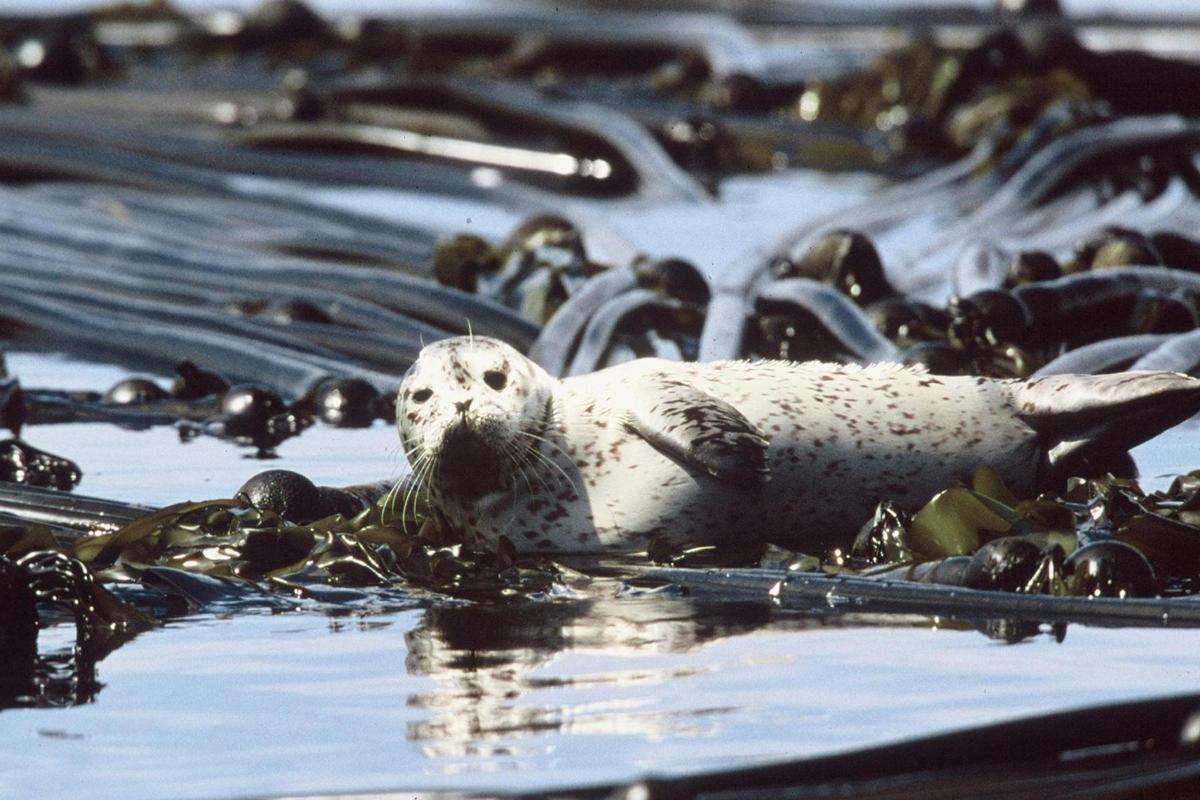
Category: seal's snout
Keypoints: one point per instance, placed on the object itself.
(470, 461)
(462, 405)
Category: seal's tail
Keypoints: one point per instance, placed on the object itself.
(1090, 418)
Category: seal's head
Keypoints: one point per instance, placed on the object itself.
(469, 410)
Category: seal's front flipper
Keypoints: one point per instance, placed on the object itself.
(699, 431)
(1091, 418)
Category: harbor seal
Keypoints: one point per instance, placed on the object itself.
(797, 454)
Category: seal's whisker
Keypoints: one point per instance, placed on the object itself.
(540, 474)
(560, 474)
(400, 491)
(509, 449)
(420, 471)
(506, 449)
(549, 459)
(522, 457)
(388, 504)
(523, 460)
(556, 469)
(414, 463)
(430, 467)
(422, 482)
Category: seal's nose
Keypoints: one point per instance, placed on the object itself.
(462, 405)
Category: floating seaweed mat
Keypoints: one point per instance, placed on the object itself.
(228, 541)
(843, 594)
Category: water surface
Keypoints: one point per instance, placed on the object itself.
(552, 694)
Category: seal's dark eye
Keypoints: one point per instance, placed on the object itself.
(421, 395)
(495, 379)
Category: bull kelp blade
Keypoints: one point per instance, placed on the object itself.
(1141, 748)
(68, 512)
(205, 591)
(987, 482)
(140, 539)
(1047, 516)
(843, 594)
(951, 523)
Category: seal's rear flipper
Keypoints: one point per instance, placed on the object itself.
(1090, 419)
(698, 431)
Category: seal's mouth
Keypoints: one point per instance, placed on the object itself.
(470, 463)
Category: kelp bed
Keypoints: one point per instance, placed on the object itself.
(1029, 213)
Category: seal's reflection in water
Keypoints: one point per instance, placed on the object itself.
(485, 659)
(486, 662)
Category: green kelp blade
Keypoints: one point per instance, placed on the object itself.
(947, 571)
(986, 481)
(885, 539)
(353, 571)
(141, 540)
(196, 555)
(1047, 516)
(401, 544)
(956, 522)
(1082, 490)
(350, 543)
(1067, 540)
(351, 562)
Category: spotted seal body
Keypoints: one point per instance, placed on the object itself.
(798, 454)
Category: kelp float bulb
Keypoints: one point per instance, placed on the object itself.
(247, 407)
(135, 391)
(1109, 569)
(192, 382)
(848, 261)
(346, 402)
(1008, 564)
(296, 498)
